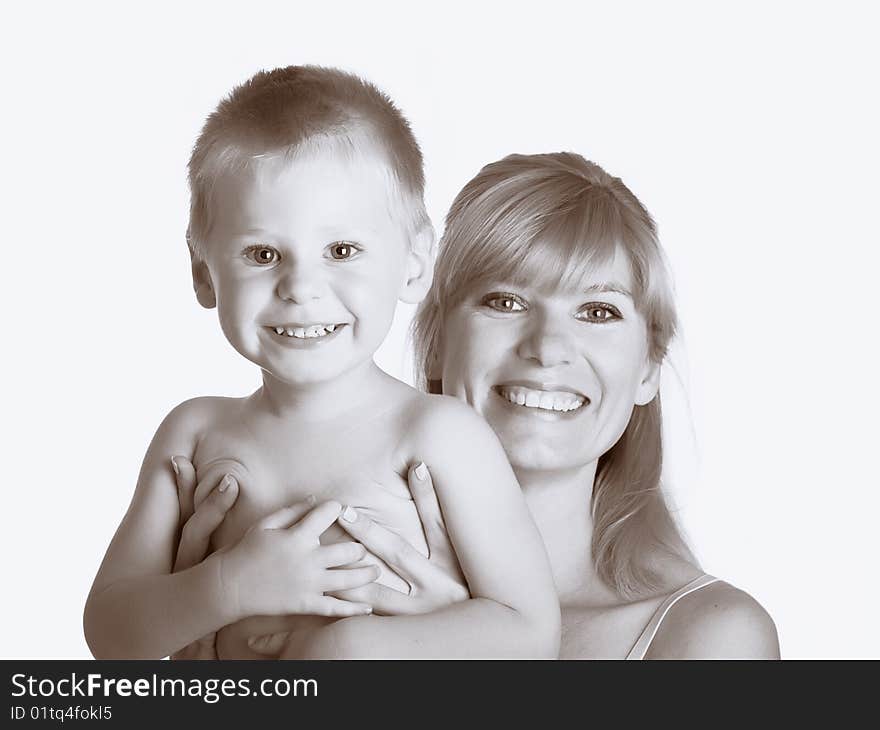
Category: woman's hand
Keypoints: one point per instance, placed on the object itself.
(195, 537)
(435, 581)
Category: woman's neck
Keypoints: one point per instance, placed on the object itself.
(560, 503)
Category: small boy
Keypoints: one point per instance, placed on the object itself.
(307, 224)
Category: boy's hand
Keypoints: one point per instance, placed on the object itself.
(279, 566)
(197, 528)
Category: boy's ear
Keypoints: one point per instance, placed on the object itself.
(202, 284)
(650, 384)
(419, 267)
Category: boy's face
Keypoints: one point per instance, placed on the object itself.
(306, 263)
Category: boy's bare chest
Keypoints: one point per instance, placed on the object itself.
(364, 467)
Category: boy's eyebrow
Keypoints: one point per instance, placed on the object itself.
(332, 231)
(252, 231)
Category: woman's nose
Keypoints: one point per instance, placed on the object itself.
(298, 285)
(547, 345)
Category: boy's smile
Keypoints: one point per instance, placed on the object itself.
(306, 259)
(312, 335)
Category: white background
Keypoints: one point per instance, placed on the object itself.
(749, 131)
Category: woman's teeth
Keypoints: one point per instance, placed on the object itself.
(315, 330)
(544, 399)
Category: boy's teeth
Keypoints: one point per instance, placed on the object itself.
(302, 333)
(545, 400)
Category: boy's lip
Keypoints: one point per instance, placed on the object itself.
(305, 325)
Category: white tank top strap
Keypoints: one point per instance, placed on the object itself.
(640, 648)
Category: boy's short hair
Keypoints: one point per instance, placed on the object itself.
(284, 110)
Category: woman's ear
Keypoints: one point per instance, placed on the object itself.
(650, 384)
(419, 266)
(202, 283)
(434, 370)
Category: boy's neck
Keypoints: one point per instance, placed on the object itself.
(323, 401)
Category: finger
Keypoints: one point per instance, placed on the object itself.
(203, 648)
(344, 578)
(286, 516)
(384, 600)
(196, 535)
(421, 486)
(185, 476)
(383, 543)
(269, 644)
(319, 519)
(337, 608)
(341, 553)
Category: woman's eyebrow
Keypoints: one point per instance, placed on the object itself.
(608, 286)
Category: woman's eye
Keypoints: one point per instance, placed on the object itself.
(262, 255)
(502, 302)
(343, 250)
(598, 312)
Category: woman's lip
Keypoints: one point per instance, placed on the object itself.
(545, 414)
(545, 387)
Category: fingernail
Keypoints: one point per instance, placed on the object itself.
(174, 466)
(349, 514)
(311, 499)
(226, 483)
(421, 471)
(367, 609)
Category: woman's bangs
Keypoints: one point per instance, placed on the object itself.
(567, 248)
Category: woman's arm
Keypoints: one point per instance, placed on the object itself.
(197, 527)
(514, 610)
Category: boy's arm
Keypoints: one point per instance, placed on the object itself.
(514, 610)
(137, 608)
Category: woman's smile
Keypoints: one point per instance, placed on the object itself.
(542, 398)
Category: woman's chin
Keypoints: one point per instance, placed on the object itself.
(535, 439)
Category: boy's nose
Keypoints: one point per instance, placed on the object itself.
(299, 286)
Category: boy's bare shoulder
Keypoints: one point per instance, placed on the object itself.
(718, 621)
(196, 410)
(442, 422)
(193, 416)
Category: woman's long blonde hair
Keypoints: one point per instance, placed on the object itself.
(548, 219)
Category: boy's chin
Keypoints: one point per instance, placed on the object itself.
(304, 378)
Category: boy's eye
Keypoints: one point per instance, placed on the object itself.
(598, 312)
(263, 255)
(504, 302)
(343, 250)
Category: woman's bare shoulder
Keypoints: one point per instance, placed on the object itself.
(718, 621)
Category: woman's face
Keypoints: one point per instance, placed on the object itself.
(555, 373)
